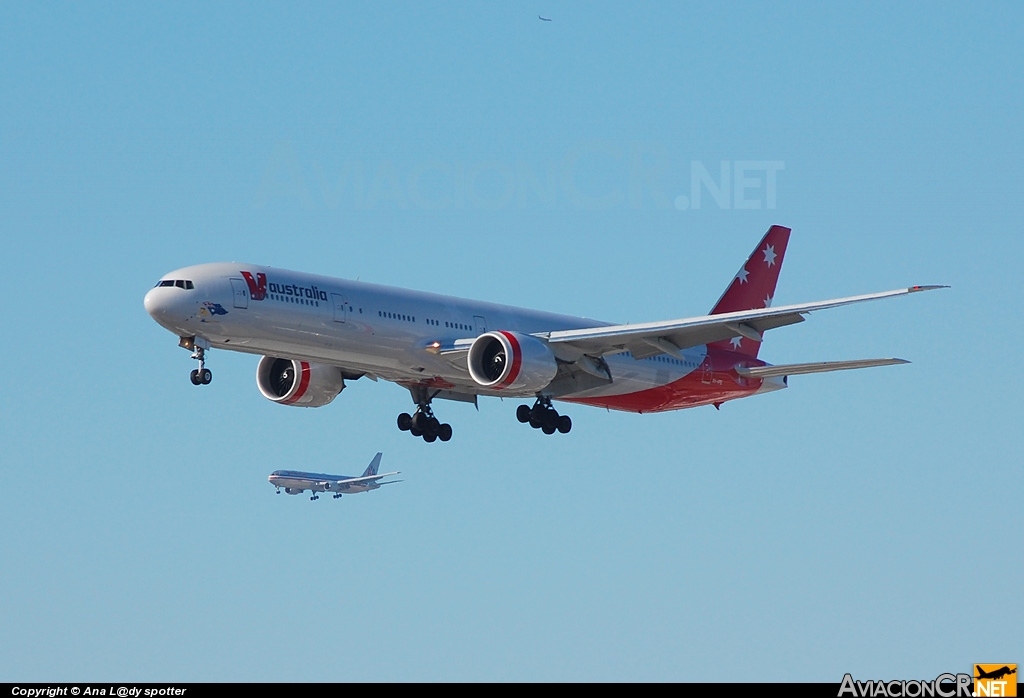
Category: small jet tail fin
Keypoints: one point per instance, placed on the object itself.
(753, 287)
(371, 469)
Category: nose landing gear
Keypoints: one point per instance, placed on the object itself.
(544, 417)
(201, 375)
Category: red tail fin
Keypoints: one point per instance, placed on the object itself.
(754, 286)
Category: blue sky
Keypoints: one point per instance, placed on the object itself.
(859, 522)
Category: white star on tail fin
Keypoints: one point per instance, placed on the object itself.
(769, 255)
(742, 275)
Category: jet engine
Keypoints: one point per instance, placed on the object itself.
(299, 383)
(517, 363)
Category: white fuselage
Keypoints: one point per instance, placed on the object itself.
(368, 329)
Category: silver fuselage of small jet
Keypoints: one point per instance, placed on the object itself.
(297, 481)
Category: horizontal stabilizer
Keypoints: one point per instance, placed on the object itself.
(817, 367)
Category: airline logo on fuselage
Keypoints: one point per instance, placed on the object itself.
(259, 288)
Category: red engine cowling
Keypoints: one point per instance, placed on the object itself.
(511, 362)
(299, 383)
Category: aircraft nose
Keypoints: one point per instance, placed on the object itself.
(155, 303)
(163, 305)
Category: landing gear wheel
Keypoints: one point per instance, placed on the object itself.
(201, 375)
(544, 417)
(423, 423)
(536, 416)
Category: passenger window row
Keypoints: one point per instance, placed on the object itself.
(293, 299)
(396, 316)
(429, 321)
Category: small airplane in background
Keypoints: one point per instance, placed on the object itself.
(296, 482)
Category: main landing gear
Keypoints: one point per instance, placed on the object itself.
(544, 417)
(424, 423)
(201, 375)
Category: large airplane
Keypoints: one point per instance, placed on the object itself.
(315, 332)
(296, 482)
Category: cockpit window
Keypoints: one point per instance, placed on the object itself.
(179, 283)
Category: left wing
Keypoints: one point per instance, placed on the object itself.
(652, 338)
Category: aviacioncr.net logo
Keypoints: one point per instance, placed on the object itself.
(944, 686)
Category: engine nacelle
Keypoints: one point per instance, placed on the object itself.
(290, 490)
(510, 361)
(299, 383)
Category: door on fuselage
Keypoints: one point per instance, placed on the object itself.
(340, 307)
(240, 292)
(481, 324)
(706, 374)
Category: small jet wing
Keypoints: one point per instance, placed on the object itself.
(818, 367)
(357, 480)
(652, 338)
